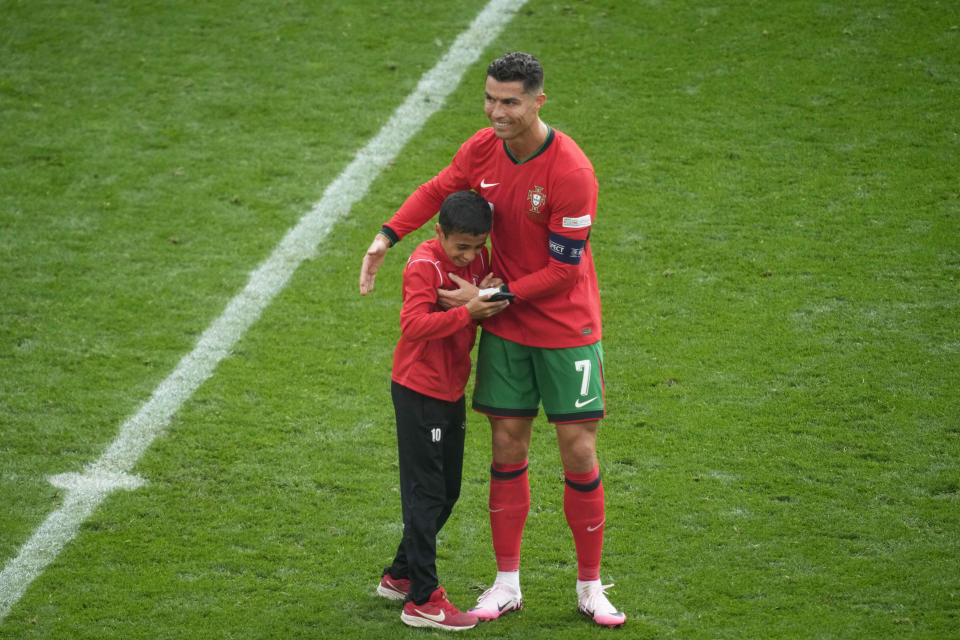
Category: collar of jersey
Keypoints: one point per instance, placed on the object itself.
(543, 147)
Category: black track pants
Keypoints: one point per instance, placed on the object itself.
(430, 435)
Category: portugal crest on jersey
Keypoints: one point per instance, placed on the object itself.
(536, 197)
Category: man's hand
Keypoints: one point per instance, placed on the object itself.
(372, 261)
(467, 294)
(456, 297)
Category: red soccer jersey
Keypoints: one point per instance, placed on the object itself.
(433, 354)
(543, 210)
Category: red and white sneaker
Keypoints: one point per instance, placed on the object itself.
(393, 588)
(437, 613)
(497, 600)
(592, 602)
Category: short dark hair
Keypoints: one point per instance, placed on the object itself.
(465, 212)
(518, 66)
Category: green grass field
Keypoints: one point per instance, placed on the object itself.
(778, 246)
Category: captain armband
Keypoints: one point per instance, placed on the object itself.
(566, 250)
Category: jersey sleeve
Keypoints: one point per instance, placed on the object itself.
(426, 200)
(420, 318)
(570, 222)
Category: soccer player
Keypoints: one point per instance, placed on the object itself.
(546, 347)
(431, 364)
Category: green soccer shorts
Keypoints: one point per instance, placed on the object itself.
(512, 380)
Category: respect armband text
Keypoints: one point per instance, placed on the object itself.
(567, 250)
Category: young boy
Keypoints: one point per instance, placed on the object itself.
(431, 365)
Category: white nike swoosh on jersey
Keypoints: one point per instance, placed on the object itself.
(440, 617)
(579, 404)
(592, 529)
(495, 510)
(486, 185)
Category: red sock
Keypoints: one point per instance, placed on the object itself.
(509, 505)
(583, 506)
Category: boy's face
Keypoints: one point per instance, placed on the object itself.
(461, 248)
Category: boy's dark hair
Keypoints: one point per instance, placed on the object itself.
(465, 212)
(518, 66)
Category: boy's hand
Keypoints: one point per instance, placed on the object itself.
(491, 281)
(481, 308)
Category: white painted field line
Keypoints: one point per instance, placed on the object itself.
(85, 491)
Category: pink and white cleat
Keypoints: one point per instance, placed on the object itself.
(497, 600)
(592, 602)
